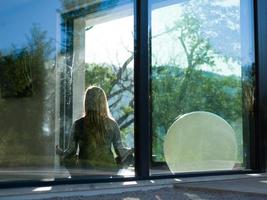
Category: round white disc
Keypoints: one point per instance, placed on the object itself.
(200, 141)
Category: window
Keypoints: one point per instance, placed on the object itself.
(96, 89)
(200, 64)
(52, 125)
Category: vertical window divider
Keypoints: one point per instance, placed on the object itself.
(260, 137)
(142, 87)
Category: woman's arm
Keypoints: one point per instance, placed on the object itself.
(73, 143)
(122, 151)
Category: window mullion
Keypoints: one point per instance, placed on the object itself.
(142, 89)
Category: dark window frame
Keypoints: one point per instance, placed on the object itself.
(259, 147)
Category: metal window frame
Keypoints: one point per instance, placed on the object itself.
(259, 147)
(142, 88)
(142, 105)
(67, 26)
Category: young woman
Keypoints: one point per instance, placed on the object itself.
(93, 136)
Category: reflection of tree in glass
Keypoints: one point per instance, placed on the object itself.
(24, 66)
(223, 30)
(197, 49)
(16, 80)
(180, 89)
(206, 91)
(22, 129)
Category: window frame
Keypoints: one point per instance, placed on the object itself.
(142, 122)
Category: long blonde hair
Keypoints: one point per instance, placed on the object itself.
(96, 113)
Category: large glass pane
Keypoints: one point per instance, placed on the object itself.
(202, 85)
(66, 94)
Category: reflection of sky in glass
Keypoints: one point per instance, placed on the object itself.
(228, 2)
(167, 50)
(108, 42)
(18, 16)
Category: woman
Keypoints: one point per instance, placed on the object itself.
(93, 136)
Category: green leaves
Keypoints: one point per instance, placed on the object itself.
(100, 75)
(205, 91)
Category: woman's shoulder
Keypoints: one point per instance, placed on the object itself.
(110, 123)
(78, 122)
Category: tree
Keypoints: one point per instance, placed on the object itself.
(196, 47)
(24, 98)
(176, 88)
(179, 89)
(206, 91)
(223, 30)
(117, 82)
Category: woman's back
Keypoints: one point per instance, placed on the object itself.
(93, 136)
(94, 152)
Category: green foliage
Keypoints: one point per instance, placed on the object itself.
(24, 149)
(117, 82)
(15, 75)
(100, 75)
(23, 70)
(127, 110)
(206, 91)
(22, 102)
(177, 90)
(197, 49)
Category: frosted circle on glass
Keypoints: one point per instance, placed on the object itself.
(200, 141)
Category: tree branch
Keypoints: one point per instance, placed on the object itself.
(115, 103)
(119, 91)
(181, 39)
(128, 123)
(126, 115)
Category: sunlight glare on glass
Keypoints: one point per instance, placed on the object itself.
(254, 175)
(129, 183)
(263, 181)
(126, 172)
(228, 3)
(109, 42)
(42, 189)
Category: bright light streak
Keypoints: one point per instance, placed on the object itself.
(254, 175)
(42, 189)
(129, 183)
